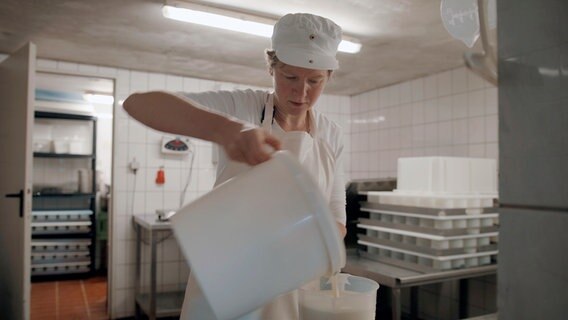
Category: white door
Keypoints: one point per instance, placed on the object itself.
(17, 74)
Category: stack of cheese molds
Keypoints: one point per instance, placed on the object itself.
(440, 217)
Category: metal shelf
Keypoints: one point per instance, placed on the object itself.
(60, 268)
(61, 215)
(62, 155)
(56, 245)
(63, 226)
(68, 116)
(64, 195)
(64, 236)
(41, 258)
(60, 250)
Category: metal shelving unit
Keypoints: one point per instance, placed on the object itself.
(61, 155)
(63, 223)
(148, 301)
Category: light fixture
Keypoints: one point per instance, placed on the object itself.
(234, 21)
(97, 98)
(349, 46)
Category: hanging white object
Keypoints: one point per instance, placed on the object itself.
(461, 20)
(175, 145)
(484, 63)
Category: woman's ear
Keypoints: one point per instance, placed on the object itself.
(271, 71)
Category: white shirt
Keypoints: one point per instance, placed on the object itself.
(248, 106)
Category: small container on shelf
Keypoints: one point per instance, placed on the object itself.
(61, 146)
(42, 145)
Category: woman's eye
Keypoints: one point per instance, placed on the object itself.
(290, 77)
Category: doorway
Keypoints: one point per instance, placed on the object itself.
(72, 163)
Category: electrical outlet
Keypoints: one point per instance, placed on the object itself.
(134, 165)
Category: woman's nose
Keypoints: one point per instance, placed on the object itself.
(302, 89)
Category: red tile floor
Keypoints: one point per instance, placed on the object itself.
(69, 299)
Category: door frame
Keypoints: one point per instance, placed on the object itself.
(20, 67)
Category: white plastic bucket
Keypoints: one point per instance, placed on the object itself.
(356, 299)
(262, 233)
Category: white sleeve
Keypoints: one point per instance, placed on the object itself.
(245, 105)
(337, 199)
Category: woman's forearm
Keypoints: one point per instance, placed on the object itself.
(170, 113)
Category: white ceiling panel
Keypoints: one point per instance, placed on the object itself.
(402, 39)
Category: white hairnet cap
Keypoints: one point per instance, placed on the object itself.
(307, 41)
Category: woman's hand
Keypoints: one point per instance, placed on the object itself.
(251, 145)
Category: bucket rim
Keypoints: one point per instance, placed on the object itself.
(373, 285)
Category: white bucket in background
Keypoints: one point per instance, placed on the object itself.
(42, 145)
(262, 233)
(355, 298)
(61, 146)
(76, 146)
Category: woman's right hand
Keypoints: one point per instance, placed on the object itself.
(252, 145)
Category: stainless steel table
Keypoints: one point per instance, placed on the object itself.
(397, 278)
(154, 304)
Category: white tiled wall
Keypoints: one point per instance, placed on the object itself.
(139, 194)
(453, 113)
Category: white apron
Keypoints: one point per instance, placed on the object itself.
(315, 156)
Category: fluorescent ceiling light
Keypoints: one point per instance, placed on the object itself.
(217, 21)
(239, 24)
(99, 98)
(349, 46)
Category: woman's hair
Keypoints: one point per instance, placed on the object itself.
(272, 61)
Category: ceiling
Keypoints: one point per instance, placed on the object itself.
(402, 39)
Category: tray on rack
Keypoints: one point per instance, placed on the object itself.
(429, 231)
(465, 240)
(477, 246)
(425, 212)
(441, 201)
(422, 268)
(430, 261)
(60, 268)
(60, 227)
(62, 256)
(59, 245)
(61, 215)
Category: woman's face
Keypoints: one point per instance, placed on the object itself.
(297, 89)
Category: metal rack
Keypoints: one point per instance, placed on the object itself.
(398, 277)
(148, 301)
(63, 223)
(412, 234)
(443, 234)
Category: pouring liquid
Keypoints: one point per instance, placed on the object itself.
(335, 286)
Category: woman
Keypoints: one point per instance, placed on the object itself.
(248, 124)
